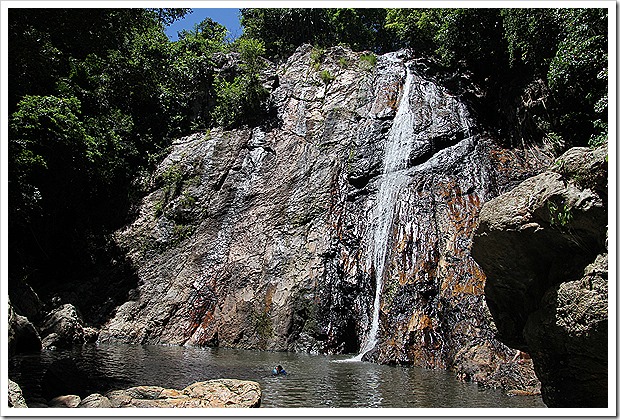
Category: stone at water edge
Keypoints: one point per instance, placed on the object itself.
(67, 401)
(213, 393)
(227, 392)
(95, 401)
(67, 326)
(22, 335)
(15, 397)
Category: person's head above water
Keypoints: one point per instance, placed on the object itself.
(278, 370)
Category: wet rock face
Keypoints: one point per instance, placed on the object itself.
(279, 237)
(543, 247)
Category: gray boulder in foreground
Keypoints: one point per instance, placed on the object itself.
(213, 393)
(15, 397)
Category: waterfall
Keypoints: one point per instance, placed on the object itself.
(399, 143)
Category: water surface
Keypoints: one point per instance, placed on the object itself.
(313, 381)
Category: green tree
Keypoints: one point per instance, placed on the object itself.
(472, 37)
(578, 74)
(283, 30)
(243, 99)
(189, 92)
(532, 37)
(359, 29)
(47, 138)
(415, 28)
(86, 113)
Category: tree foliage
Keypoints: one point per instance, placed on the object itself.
(578, 74)
(283, 30)
(507, 53)
(190, 93)
(243, 99)
(521, 27)
(509, 50)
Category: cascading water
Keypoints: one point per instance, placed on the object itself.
(400, 141)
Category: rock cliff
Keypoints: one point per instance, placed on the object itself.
(344, 224)
(543, 247)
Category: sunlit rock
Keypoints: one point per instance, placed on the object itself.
(213, 393)
(15, 396)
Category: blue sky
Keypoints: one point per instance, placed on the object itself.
(227, 17)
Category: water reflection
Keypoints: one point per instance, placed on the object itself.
(313, 381)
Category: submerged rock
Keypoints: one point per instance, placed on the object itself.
(64, 377)
(65, 401)
(543, 247)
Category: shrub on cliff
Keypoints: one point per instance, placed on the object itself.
(243, 99)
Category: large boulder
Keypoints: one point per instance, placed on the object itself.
(569, 336)
(15, 397)
(543, 248)
(213, 393)
(63, 327)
